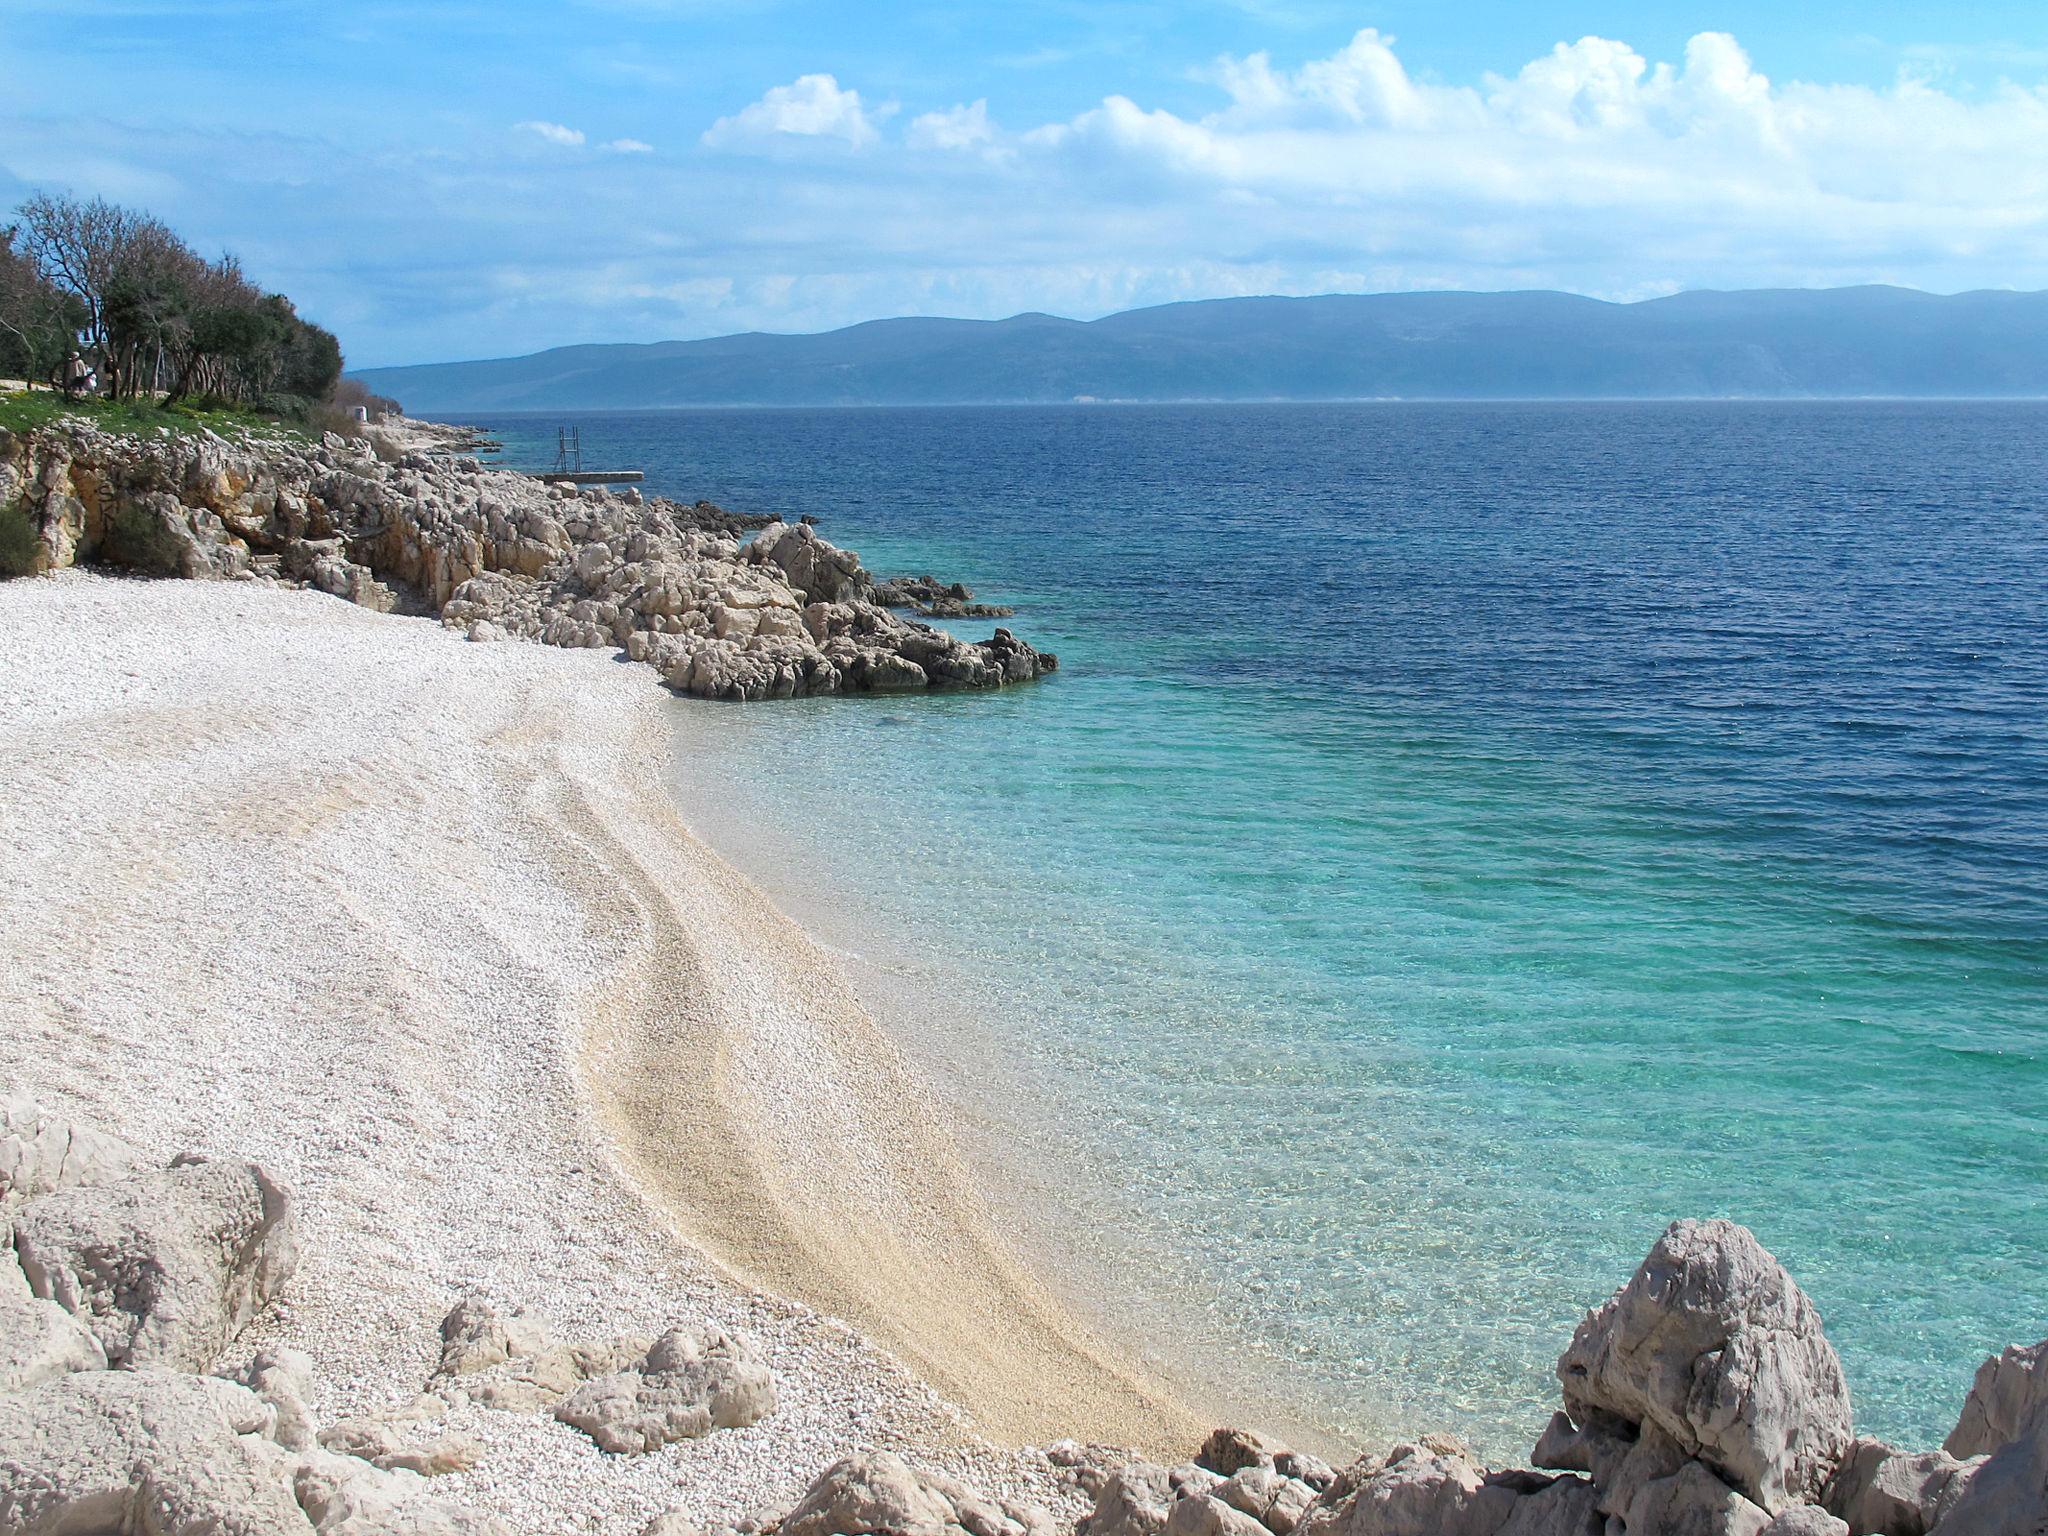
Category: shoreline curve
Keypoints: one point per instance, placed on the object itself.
(755, 1101)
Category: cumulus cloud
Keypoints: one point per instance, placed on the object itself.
(810, 107)
(962, 127)
(554, 133)
(1592, 167)
(1667, 152)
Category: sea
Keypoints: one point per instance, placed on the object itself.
(1460, 839)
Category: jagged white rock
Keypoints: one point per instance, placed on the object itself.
(494, 554)
(1713, 1344)
(686, 1385)
(41, 1151)
(879, 1492)
(166, 1267)
(2009, 1389)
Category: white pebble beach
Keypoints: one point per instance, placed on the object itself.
(414, 923)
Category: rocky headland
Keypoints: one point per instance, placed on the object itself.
(399, 522)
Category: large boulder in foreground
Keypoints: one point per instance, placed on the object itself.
(879, 1494)
(686, 1385)
(163, 1268)
(1713, 1346)
(1895, 1493)
(147, 1450)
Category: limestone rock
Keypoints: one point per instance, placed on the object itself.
(1133, 1502)
(1276, 1502)
(877, 1493)
(384, 1442)
(164, 1268)
(1713, 1344)
(1203, 1514)
(2005, 1494)
(1227, 1450)
(685, 1386)
(2009, 1390)
(283, 1379)
(496, 556)
(42, 1151)
(1426, 1489)
(140, 1451)
(346, 1497)
(1880, 1491)
(1693, 1502)
(39, 1340)
(821, 572)
(1806, 1520)
(476, 1335)
(514, 1362)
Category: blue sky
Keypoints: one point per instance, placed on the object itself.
(458, 180)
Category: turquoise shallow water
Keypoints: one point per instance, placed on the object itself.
(1461, 839)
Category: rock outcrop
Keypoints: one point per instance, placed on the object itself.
(154, 1272)
(931, 598)
(2004, 1494)
(41, 1151)
(39, 1340)
(2009, 1390)
(630, 1395)
(494, 554)
(165, 1267)
(1709, 1355)
(687, 1384)
(879, 1494)
(1239, 1484)
(1703, 1399)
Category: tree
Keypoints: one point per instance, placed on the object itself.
(148, 303)
(38, 323)
(157, 313)
(76, 247)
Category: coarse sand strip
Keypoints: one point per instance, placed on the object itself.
(414, 922)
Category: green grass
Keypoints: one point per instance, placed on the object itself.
(23, 410)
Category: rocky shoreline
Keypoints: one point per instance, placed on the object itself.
(273, 903)
(1702, 1399)
(399, 523)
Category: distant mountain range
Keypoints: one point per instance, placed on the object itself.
(1533, 345)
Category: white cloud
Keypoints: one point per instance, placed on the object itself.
(629, 147)
(554, 133)
(812, 106)
(962, 127)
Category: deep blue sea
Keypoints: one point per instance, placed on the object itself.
(1460, 839)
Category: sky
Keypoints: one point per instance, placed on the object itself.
(441, 181)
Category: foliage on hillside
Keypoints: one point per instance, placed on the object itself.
(152, 317)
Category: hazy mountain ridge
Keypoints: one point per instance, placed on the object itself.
(1534, 345)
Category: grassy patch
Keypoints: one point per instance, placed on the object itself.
(23, 410)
